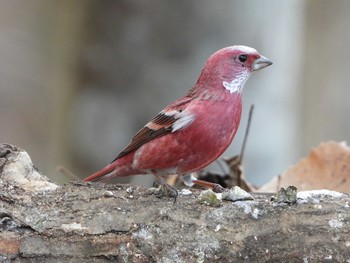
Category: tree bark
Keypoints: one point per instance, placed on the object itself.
(87, 222)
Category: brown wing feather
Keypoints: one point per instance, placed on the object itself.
(144, 135)
(160, 125)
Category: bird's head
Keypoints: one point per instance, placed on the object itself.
(230, 67)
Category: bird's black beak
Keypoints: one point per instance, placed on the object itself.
(261, 63)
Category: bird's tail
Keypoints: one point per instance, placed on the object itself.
(118, 168)
(101, 174)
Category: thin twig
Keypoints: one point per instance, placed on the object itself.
(246, 132)
(67, 173)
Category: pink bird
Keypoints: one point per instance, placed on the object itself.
(194, 130)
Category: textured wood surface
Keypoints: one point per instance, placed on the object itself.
(121, 223)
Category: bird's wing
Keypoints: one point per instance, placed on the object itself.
(172, 118)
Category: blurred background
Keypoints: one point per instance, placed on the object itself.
(79, 78)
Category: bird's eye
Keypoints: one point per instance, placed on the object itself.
(242, 58)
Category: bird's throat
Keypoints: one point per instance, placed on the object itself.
(237, 84)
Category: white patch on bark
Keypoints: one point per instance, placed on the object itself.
(20, 172)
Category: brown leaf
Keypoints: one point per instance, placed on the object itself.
(326, 167)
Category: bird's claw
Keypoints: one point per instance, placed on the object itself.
(218, 188)
(165, 189)
(168, 191)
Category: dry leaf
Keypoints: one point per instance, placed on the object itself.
(326, 167)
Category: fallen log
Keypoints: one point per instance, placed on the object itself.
(87, 222)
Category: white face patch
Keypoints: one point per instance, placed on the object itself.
(236, 85)
(183, 119)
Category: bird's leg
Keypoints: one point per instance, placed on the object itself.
(166, 189)
(190, 180)
(216, 187)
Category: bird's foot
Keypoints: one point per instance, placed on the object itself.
(165, 189)
(218, 188)
(168, 191)
(190, 180)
